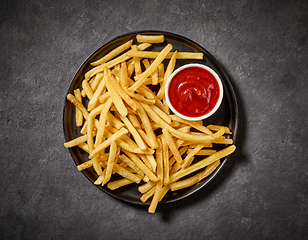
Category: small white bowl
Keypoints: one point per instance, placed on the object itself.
(219, 98)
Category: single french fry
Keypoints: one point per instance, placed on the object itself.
(88, 90)
(154, 76)
(168, 72)
(130, 68)
(78, 114)
(102, 122)
(138, 69)
(161, 72)
(156, 197)
(150, 38)
(78, 104)
(85, 165)
(166, 167)
(95, 99)
(119, 183)
(123, 75)
(111, 161)
(223, 140)
(118, 103)
(90, 128)
(160, 159)
(76, 141)
(89, 163)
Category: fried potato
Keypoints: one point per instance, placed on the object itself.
(150, 38)
(78, 116)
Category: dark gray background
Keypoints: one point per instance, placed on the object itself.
(262, 191)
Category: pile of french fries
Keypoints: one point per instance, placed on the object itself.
(127, 129)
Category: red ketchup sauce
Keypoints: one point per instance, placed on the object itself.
(193, 92)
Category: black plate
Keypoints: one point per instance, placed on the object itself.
(226, 115)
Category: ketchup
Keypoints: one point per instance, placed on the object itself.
(193, 92)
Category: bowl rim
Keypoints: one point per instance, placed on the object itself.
(218, 103)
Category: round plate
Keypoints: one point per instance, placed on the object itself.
(226, 115)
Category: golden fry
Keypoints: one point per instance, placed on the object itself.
(150, 38)
(111, 161)
(78, 116)
(119, 183)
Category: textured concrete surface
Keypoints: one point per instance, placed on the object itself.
(261, 194)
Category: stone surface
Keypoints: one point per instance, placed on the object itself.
(262, 191)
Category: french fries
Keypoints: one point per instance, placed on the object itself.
(130, 134)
